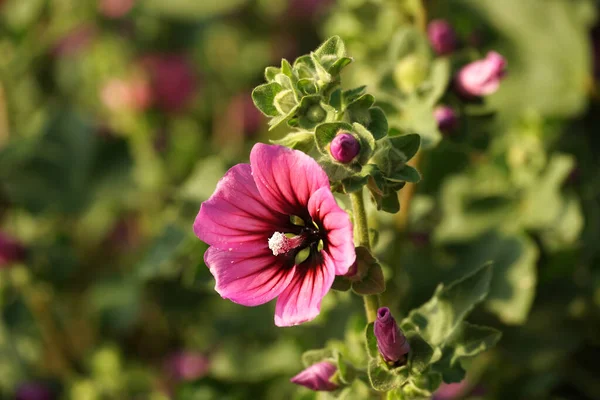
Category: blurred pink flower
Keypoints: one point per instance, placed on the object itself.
(442, 36)
(246, 221)
(187, 365)
(481, 77)
(317, 377)
(173, 80)
(33, 391)
(11, 250)
(307, 8)
(451, 391)
(75, 41)
(120, 95)
(115, 8)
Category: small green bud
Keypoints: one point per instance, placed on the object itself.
(410, 72)
(316, 113)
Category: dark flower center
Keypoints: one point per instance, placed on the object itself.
(304, 242)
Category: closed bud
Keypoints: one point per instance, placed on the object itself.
(10, 250)
(446, 118)
(317, 377)
(442, 36)
(344, 147)
(482, 77)
(391, 342)
(316, 113)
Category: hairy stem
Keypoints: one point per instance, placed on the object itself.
(361, 237)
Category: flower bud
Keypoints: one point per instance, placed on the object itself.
(173, 80)
(187, 365)
(317, 377)
(482, 77)
(446, 118)
(441, 36)
(391, 342)
(344, 147)
(33, 391)
(10, 250)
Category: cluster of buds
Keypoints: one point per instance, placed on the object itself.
(474, 80)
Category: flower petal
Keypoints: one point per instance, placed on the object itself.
(236, 217)
(339, 242)
(286, 178)
(248, 279)
(301, 300)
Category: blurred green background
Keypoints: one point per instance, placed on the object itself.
(118, 117)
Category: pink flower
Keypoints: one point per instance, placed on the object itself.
(120, 94)
(482, 77)
(173, 80)
(10, 250)
(254, 243)
(75, 41)
(317, 377)
(187, 366)
(442, 36)
(115, 8)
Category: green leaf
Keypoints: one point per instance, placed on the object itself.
(311, 357)
(390, 203)
(371, 341)
(439, 77)
(437, 319)
(378, 125)
(307, 86)
(465, 343)
(359, 109)
(285, 102)
(334, 46)
(271, 73)
(263, 97)
(407, 144)
(382, 379)
(420, 353)
(341, 284)
(367, 143)
(406, 174)
(351, 95)
(299, 140)
(373, 282)
(470, 340)
(162, 251)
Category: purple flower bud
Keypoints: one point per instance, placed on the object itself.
(482, 77)
(33, 391)
(187, 365)
(391, 342)
(442, 36)
(10, 250)
(317, 377)
(344, 147)
(446, 118)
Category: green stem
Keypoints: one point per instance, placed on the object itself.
(361, 237)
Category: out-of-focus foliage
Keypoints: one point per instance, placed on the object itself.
(118, 117)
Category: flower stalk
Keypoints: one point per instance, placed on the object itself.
(361, 237)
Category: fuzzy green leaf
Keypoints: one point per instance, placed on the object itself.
(378, 125)
(300, 140)
(407, 144)
(437, 319)
(263, 97)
